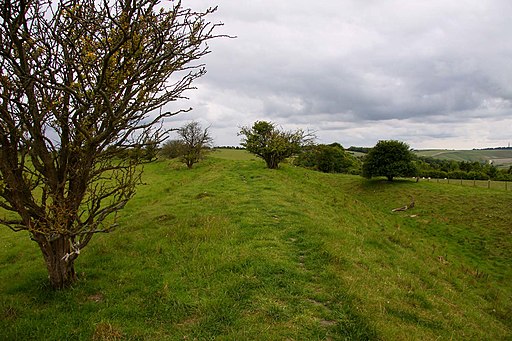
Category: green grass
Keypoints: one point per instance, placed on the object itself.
(232, 251)
(502, 185)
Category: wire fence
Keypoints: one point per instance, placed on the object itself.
(503, 185)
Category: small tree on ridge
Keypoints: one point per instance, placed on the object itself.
(265, 140)
(194, 140)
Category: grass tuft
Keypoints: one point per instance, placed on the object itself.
(104, 331)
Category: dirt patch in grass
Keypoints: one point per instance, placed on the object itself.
(106, 332)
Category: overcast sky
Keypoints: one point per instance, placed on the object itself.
(432, 73)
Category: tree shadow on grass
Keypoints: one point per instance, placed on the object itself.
(381, 182)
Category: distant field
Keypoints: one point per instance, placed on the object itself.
(502, 185)
(232, 154)
(500, 157)
(356, 154)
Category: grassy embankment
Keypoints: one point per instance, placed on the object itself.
(231, 250)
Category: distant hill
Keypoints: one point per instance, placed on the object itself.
(499, 157)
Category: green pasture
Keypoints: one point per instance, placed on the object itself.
(502, 185)
(500, 157)
(230, 250)
(232, 154)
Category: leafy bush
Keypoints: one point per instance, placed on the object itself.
(328, 159)
(172, 149)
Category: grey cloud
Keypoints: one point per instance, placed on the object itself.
(353, 67)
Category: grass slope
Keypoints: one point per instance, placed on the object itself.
(232, 251)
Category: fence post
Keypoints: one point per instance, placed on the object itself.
(474, 182)
(488, 183)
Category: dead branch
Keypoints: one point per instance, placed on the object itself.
(405, 207)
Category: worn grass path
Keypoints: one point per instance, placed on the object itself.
(232, 251)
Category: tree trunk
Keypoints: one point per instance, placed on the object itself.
(272, 163)
(59, 258)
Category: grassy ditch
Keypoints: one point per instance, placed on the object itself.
(230, 250)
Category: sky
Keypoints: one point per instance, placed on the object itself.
(432, 73)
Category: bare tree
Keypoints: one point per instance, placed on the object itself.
(194, 141)
(81, 81)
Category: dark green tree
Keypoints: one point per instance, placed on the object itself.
(273, 145)
(491, 170)
(389, 158)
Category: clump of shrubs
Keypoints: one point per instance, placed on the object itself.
(172, 149)
(331, 158)
(436, 168)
